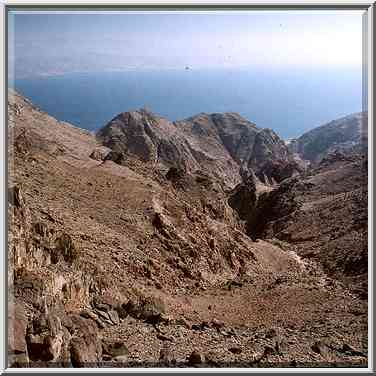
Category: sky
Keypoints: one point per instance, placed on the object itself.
(46, 43)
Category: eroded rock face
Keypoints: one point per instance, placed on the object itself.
(34, 244)
(267, 147)
(258, 211)
(229, 131)
(272, 205)
(247, 145)
(148, 137)
(243, 198)
(273, 172)
(36, 249)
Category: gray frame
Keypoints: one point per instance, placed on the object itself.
(366, 6)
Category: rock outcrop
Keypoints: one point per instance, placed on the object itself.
(323, 214)
(219, 144)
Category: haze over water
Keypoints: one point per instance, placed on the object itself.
(289, 71)
(289, 102)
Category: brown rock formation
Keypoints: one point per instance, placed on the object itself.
(218, 143)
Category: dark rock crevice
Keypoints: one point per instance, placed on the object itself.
(258, 212)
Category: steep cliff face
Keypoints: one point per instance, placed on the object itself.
(267, 147)
(348, 134)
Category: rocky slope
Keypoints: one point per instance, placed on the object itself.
(323, 213)
(116, 261)
(347, 134)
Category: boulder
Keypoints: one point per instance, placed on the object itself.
(114, 317)
(17, 346)
(121, 359)
(115, 349)
(163, 337)
(166, 356)
(196, 358)
(349, 350)
(181, 321)
(103, 315)
(86, 348)
(87, 314)
(320, 347)
(217, 324)
(100, 153)
(45, 338)
(121, 309)
(235, 350)
(148, 308)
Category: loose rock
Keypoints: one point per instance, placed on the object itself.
(196, 358)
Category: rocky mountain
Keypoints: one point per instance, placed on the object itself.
(348, 134)
(130, 249)
(221, 144)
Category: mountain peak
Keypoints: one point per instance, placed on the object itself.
(220, 143)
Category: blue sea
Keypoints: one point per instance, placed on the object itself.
(290, 101)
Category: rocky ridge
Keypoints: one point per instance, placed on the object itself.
(348, 134)
(220, 144)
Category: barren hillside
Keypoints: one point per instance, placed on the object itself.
(119, 256)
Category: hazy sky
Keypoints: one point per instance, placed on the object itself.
(49, 43)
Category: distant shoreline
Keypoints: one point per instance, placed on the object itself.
(290, 102)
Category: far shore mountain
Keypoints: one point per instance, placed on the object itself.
(348, 134)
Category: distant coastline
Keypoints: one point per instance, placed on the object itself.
(290, 102)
